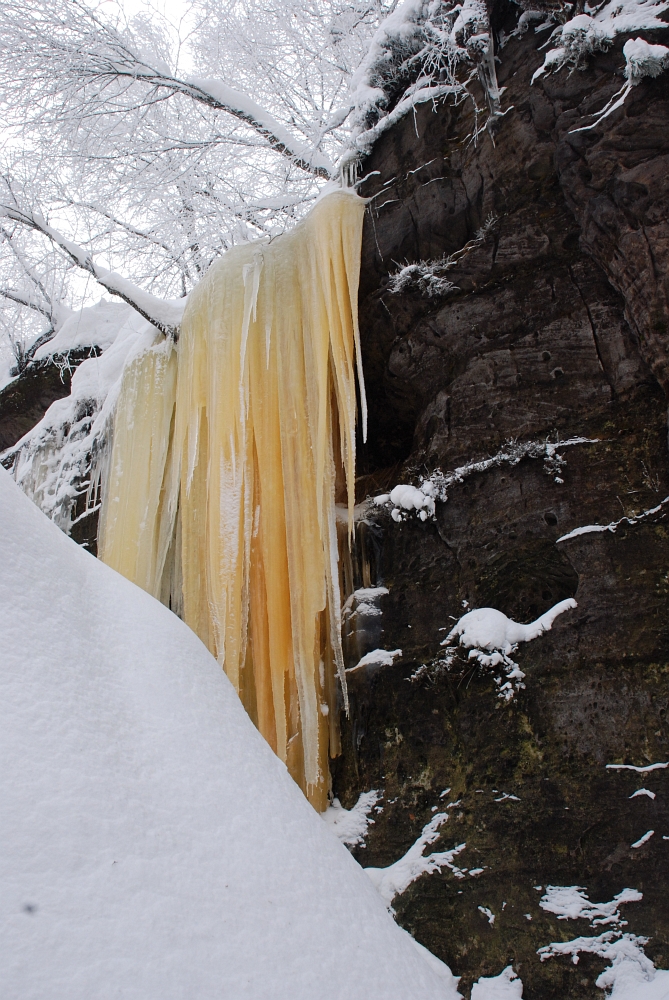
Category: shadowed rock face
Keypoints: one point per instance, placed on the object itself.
(557, 329)
(25, 400)
(23, 403)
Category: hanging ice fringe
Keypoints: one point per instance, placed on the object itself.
(227, 450)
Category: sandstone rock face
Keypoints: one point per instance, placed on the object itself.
(557, 330)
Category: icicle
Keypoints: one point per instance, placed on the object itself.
(241, 429)
(140, 492)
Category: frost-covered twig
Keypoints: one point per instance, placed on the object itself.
(431, 672)
(511, 454)
(429, 276)
(404, 500)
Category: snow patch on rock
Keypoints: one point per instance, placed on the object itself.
(588, 529)
(396, 878)
(631, 974)
(505, 986)
(571, 902)
(351, 825)
(376, 658)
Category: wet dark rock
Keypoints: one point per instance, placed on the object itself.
(557, 329)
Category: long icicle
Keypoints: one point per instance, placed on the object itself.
(243, 433)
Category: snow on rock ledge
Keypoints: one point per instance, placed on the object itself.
(489, 629)
(94, 326)
(491, 637)
(153, 846)
(596, 31)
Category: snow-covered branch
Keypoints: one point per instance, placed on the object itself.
(221, 97)
(165, 316)
(176, 258)
(67, 49)
(23, 286)
(30, 302)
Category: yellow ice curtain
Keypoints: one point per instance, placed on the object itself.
(227, 452)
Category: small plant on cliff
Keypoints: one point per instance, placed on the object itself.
(429, 277)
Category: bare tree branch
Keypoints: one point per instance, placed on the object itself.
(93, 52)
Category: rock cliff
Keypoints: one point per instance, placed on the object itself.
(555, 329)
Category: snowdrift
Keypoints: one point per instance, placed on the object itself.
(153, 845)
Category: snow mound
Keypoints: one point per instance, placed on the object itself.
(505, 986)
(153, 846)
(407, 498)
(491, 637)
(93, 326)
(489, 629)
(351, 825)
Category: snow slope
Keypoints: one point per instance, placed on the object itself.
(153, 846)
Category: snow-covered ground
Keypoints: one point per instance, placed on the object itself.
(153, 847)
